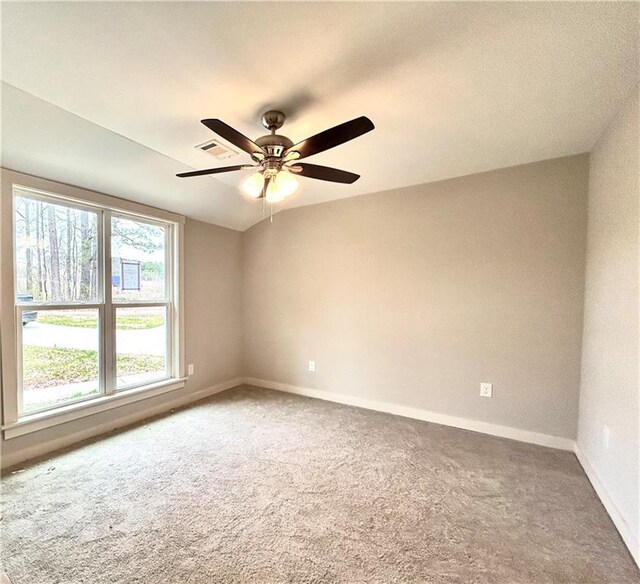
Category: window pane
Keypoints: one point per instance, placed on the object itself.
(60, 357)
(141, 341)
(56, 252)
(138, 253)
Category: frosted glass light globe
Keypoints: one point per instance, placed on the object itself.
(274, 194)
(253, 185)
(286, 183)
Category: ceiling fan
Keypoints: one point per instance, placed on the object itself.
(275, 156)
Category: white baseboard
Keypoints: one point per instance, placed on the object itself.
(629, 538)
(37, 450)
(425, 415)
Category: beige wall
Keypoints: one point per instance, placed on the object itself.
(610, 393)
(212, 317)
(415, 296)
(213, 298)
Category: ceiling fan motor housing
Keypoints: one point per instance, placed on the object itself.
(274, 144)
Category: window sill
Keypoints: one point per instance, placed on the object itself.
(42, 420)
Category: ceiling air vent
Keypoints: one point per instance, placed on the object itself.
(217, 150)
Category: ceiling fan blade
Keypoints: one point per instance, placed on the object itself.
(324, 173)
(214, 170)
(233, 136)
(332, 137)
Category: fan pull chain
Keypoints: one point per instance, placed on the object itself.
(271, 219)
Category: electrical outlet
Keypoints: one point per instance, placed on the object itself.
(312, 366)
(190, 369)
(606, 436)
(486, 390)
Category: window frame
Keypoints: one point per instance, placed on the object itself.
(16, 422)
(167, 303)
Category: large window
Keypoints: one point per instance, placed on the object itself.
(95, 301)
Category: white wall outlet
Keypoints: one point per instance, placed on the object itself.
(486, 390)
(312, 366)
(606, 436)
(190, 369)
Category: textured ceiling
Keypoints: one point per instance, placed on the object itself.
(109, 96)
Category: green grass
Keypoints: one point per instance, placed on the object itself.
(139, 322)
(123, 322)
(50, 366)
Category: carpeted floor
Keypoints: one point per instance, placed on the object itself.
(256, 486)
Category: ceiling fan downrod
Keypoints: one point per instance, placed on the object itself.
(274, 144)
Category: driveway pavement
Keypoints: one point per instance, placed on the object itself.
(136, 342)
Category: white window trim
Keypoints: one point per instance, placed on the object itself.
(12, 425)
(88, 407)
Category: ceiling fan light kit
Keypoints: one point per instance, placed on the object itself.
(282, 185)
(275, 156)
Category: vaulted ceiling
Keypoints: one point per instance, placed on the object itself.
(108, 96)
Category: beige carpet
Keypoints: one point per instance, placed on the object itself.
(263, 487)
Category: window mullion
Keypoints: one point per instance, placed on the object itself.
(108, 318)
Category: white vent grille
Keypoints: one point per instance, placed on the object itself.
(217, 150)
